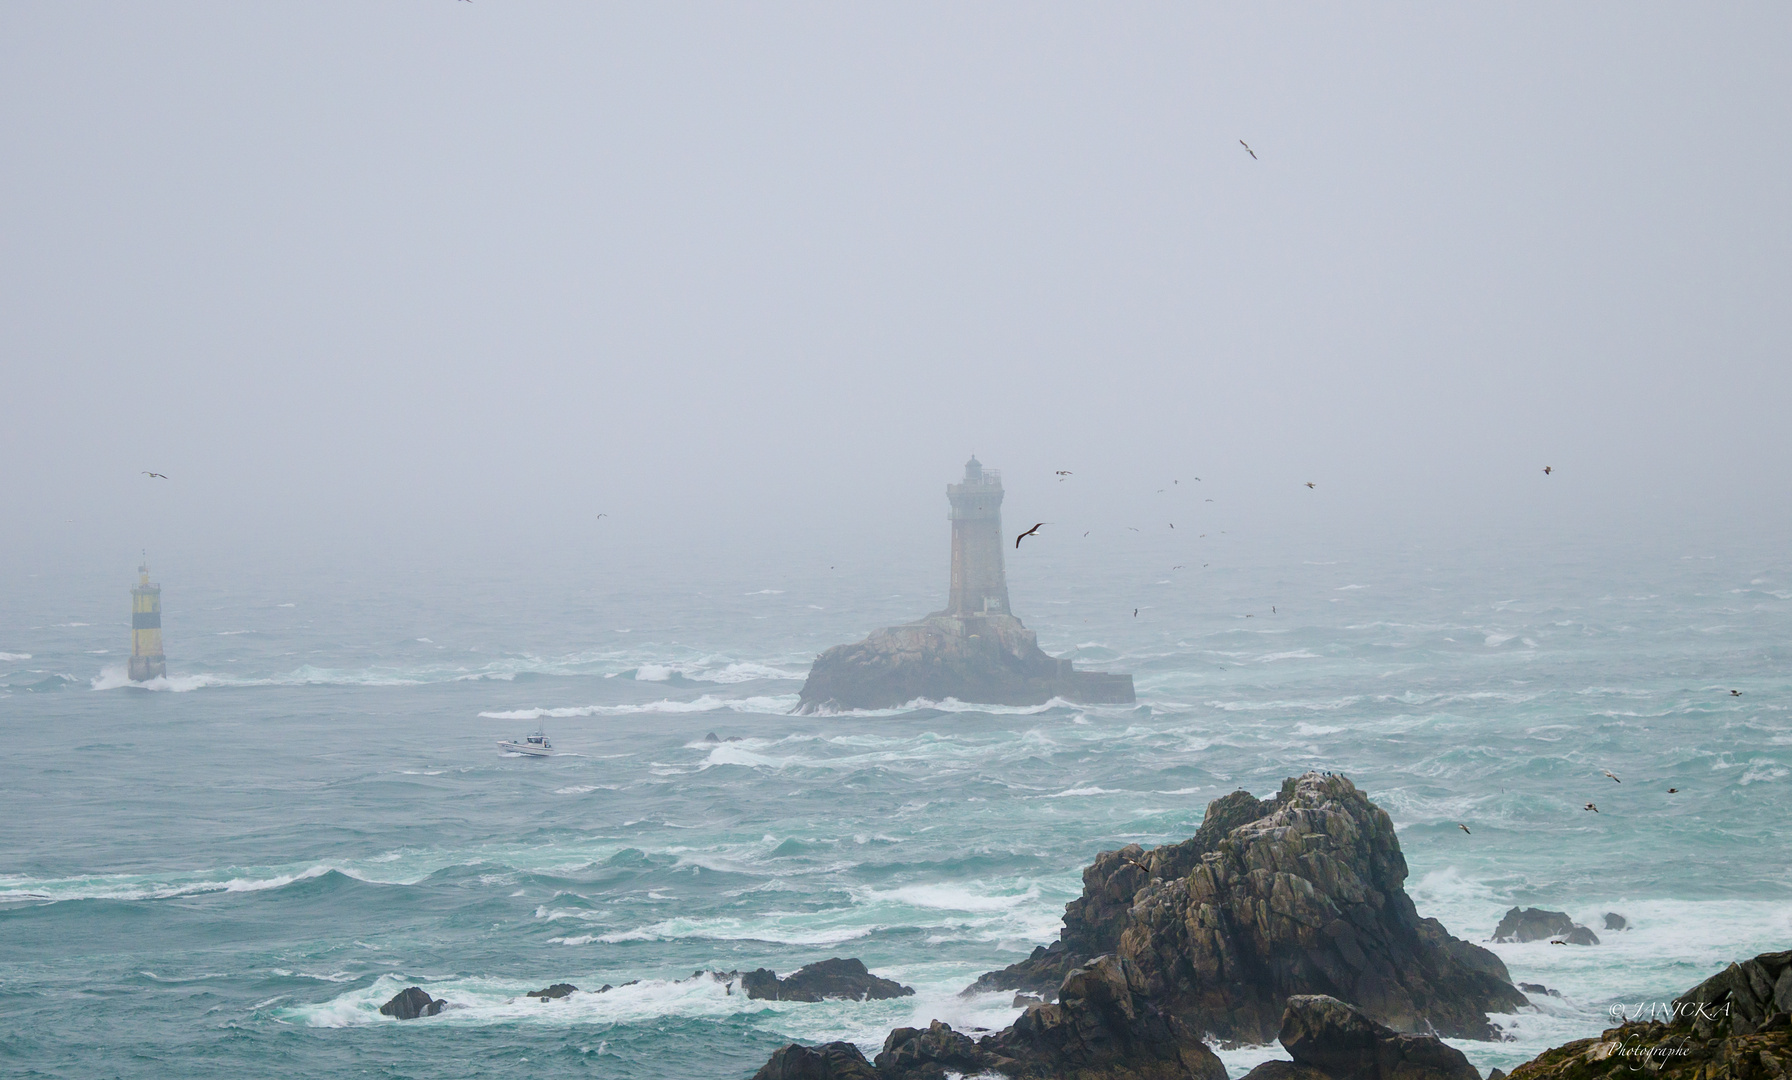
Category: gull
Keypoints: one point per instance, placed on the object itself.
(1136, 863)
(1614, 777)
(1026, 534)
(1063, 472)
(603, 515)
(1463, 827)
(1547, 470)
(1311, 484)
(1247, 149)
(1085, 532)
(157, 475)
(1130, 527)
(1591, 807)
(1673, 791)
(1177, 567)
(1735, 693)
(1135, 613)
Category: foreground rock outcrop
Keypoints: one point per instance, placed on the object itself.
(410, 1003)
(983, 658)
(835, 978)
(1736, 1025)
(1287, 907)
(1299, 894)
(1536, 924)
(1329, 1040)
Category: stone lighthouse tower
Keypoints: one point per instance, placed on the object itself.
(147, 661)
(979, 584)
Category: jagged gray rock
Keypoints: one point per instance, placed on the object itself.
(1329, 1040)
(1298, 894)
(992, 659)
(1104, 1027)
(410, 1003)
(1536, 924)
(1615, 921)
(835, 978)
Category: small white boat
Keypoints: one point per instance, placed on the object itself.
(536, 745)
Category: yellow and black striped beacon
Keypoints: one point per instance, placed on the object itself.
(147, 661)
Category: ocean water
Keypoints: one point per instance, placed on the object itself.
(225, 873)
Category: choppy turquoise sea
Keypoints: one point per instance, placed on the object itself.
(227, 872)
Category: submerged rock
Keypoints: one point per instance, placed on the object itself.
(1736, 1025)
(410, 1003)
(1329, 1040)
(1299, 894)
(835, 978)
(1536, 924)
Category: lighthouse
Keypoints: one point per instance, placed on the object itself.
(147, 661)
(979, 584)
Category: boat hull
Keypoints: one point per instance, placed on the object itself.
(526, 748)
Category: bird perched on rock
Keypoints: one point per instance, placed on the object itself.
(1463, 827)
(1591, 807)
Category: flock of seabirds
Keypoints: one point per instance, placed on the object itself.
(1067, 473)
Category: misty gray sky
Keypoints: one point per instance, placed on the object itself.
(450, 279)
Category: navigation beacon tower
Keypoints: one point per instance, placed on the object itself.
(147, 661)
(979, 584)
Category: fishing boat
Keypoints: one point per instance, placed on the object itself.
(536, 745)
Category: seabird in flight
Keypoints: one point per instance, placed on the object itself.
(1026, 534)
(1247, 149)
(1547, 470)
(1591, 807)
(1311, 484)
(157, 475)
(1614, 777)
(1463, 827)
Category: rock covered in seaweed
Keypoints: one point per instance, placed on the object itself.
(1302, 893)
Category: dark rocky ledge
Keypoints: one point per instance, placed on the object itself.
(1299, 894)
(1736, 1025)
(1329, 1040)
(836, 978)
(989, 659)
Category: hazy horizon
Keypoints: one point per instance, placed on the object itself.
(440, 283)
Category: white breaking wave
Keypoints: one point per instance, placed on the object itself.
(13, 657)
(707, 703)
